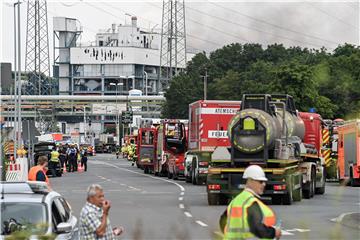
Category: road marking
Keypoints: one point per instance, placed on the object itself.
(297, 230)
(201, 223)
(286, 233)
(188, 214)
(181, 198)
(146, 175)
(122, 184)
(341, 217)
(114, 190)
(182, 193)
(134, 188)
(181, 206)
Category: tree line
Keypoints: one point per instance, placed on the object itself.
(327, 82)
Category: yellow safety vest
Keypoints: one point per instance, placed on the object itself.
(54, 156)
(237, 226)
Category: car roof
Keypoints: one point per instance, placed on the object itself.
(25, 192)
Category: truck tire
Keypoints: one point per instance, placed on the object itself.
(188, 179)
(213, 199)
(194, 179)
(169, 174)
(321, 190)
(309, 190)
(223, 200)
(175, 176)
(353, 182)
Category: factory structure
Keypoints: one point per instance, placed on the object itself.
(123, 60)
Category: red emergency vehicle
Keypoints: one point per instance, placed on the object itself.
(146, 148)
(171, 148)
(208, 125)
(349, 152)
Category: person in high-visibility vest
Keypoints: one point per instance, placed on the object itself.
(247, 216)
(54, 161)
(38, 172)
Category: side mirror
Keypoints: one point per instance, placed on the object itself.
(63, 227)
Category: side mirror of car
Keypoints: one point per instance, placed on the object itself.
(63, 227)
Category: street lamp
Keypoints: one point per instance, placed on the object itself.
(117, 110)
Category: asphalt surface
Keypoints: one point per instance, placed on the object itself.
(150, 207)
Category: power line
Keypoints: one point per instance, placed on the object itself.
(332, 16)
(101, 9)
(207, 26)
(271, 24)
(254, 29)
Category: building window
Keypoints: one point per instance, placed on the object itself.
(101, 43)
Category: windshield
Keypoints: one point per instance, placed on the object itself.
(18, 216)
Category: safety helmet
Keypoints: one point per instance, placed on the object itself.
(255, 172)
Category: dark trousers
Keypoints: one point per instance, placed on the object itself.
(62, 159)
(84, 163)
(52, 168)
(73, 164)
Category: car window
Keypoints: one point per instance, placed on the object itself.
(66, 207)
(18, 215)
(59, 212)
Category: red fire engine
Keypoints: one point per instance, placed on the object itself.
(171, 147)
(349, 152)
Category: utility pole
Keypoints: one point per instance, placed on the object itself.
(84, 124)
(173, 41)
(205, 84)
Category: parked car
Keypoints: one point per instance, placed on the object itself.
(45, 148)
(30, 207)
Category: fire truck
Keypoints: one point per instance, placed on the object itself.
(170, 149)
(146, 148)
(208, 122)
(269, 132)
(348, 161)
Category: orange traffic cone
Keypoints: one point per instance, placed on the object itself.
(64, 168)
(80, 168)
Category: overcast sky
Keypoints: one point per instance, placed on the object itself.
(209, 24)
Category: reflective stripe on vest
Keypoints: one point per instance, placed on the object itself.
(237, 226)
(33, 172)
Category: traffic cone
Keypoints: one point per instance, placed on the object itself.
(80, 168)
(64, 168)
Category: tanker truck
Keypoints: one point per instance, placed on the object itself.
(269, 132)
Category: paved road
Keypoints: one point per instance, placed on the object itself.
(157, 208)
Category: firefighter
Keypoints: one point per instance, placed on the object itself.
(54, 161)
(38, 172)
(247, 216)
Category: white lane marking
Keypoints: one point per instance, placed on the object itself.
(286, 233)
(122, 184)
(114, 190)
(182, 193)
(181, 198)
(146, 192)
(297, 230)
(201, 223)
(340, 218)
(188, 214)
(146, 175)
(134, 188)
(181, 206)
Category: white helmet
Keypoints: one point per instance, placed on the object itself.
(255, 172)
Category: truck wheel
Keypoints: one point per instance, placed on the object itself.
(353, 182)
(308, 192)
(213, 199)
(187, 179)
(321, 190)
(195, 179)
(175, 176)
(169, 175)
(313, 182)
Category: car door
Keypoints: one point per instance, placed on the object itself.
(61, 213)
